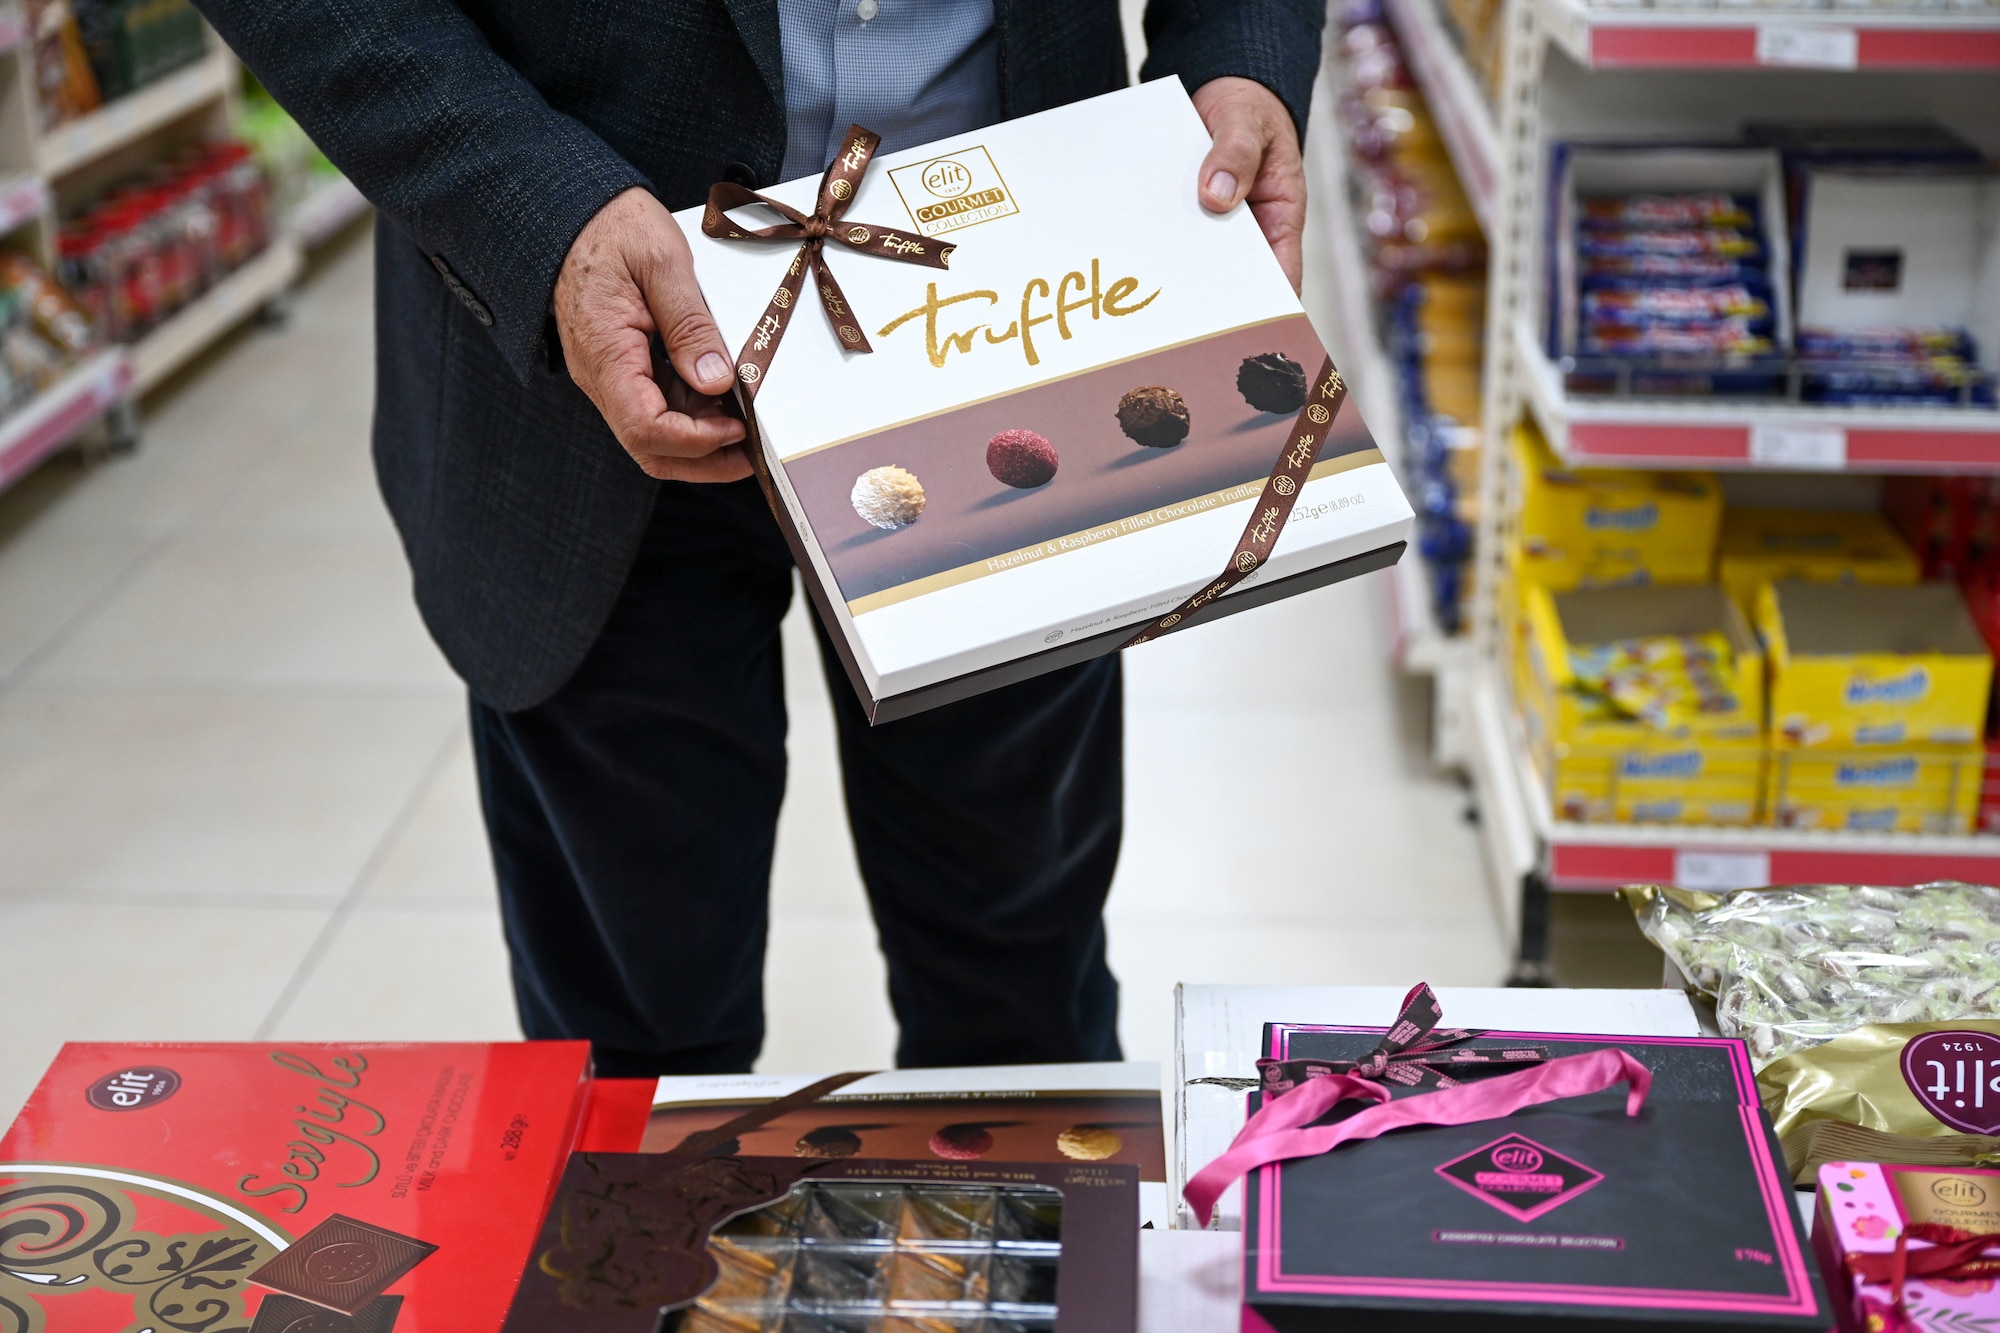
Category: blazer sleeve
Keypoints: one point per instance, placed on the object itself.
(444, 137)
(1275, 42)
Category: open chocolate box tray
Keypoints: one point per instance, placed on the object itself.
(847, 1256)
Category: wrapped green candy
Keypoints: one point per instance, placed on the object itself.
(1792, 967)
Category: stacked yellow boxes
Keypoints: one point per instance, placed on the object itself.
(1878, 702)
(1760, 546)
(1609, 527)
(1604, 765)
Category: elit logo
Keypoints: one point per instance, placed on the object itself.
(133, 1089)
(1959, 1192)
(1955, 1075)
(1520, 1177)
(957, 190)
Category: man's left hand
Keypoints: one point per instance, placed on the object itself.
(1255, 159)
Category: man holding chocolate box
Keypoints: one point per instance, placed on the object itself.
(586, 547)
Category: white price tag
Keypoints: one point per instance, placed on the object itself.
(1808, 46)
(1722, 871)
(1798, 446)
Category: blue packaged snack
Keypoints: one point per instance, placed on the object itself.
(1643, 305)
(1680, 243)
(1717, 338)
(1904, 344)
(1666, 211)
(1596, 269)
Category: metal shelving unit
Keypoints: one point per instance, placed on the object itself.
(1575, 71)
(1418, 643)
(45, 172)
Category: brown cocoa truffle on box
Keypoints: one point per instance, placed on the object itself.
(1154, 415)
(1022, 459)
(1272, 382)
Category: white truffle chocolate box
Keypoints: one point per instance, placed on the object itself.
(1062, 431)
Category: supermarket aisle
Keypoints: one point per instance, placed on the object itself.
(236, 799)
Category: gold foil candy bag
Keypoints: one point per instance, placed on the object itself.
(1795, 966)
(1917, 1094)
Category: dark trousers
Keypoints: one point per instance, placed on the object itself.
(632, 819)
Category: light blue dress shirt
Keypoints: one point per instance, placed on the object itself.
(910, 70)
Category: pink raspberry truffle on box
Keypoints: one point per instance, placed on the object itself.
(962, 1143)
(1022, 459)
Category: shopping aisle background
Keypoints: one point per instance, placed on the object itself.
(236, 798)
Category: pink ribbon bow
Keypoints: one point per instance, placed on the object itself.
(1278, 1131)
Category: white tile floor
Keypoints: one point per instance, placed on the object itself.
(236, 798)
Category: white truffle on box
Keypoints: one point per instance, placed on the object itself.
(888, 497)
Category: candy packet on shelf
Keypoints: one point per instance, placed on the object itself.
(1792, 968)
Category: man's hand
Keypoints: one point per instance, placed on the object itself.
(1255, 157)
(628, 276)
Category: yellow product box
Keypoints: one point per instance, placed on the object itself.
(1604, 764)
(1556, 625)
(1690, 784)
(1934, 790)
(1864, 665)
(1662, 522)
(1760, 546)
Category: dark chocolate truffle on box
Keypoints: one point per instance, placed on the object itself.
(1154, 415)
(1272, 382)
(1021, 458)
(827, 1141)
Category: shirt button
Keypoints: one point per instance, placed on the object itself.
(867, 10)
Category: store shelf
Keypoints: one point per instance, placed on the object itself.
(132, 117)
(1603, 856)
(1720, 433)
(1416, 641)
(214, 313)
(1456, 101)
(22, 200)
(1753, 38)
(325, 211)
(65, 410)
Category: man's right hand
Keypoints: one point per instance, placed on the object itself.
(628, 276)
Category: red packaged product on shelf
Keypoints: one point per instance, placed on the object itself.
(150, 247)
(213, 1186)
(1952, 523)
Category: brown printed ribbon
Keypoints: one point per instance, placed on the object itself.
(1274, 506)
(836, 189)
(1413, 1053)
(719, 1140)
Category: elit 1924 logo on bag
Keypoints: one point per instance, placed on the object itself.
(960, 189)
(1519, 1176)
(1956, 1077)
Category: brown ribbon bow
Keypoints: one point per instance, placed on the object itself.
(836, 189)
(1413, 1053)
(1954, 1255)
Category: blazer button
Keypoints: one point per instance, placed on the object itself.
(475, 305)
(738, 173)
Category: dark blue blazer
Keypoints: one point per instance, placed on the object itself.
(487, 132)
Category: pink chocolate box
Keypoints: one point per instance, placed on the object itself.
(1866, 1207)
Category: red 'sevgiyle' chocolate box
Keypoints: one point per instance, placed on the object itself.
(1566, 1216)
(282, 1187)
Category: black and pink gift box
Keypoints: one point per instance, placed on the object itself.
(1570, 1215)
